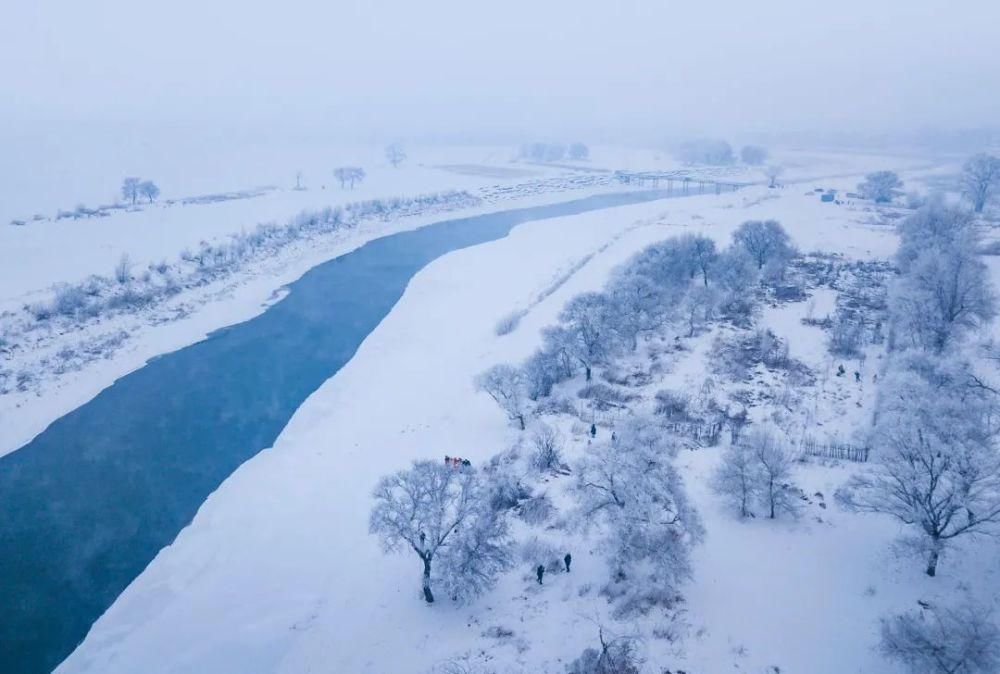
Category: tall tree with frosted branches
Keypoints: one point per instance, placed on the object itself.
(441, 512)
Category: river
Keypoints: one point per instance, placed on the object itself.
(89, 502)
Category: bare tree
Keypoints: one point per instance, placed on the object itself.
(735, 479)
(149, 190)
(505, 384)
(440, 511)
(943, 640)
(980, 177)
(763, 240)
(395, 154)
(880, 186)
(130, 189)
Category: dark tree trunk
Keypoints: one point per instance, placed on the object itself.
(428, 595)
(932, 562)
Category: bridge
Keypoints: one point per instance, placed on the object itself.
(686, 181)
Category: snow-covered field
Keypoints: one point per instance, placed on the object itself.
(278, 571)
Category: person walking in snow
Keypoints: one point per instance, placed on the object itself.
(593, 430)
(857, 377)
(539, 572)
(567, 559)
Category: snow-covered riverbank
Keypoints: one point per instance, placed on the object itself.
(278, 573)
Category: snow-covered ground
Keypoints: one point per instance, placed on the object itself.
(278, 573)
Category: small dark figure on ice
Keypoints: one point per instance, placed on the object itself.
(539, 572)
(568, 559)
(593, 430)
(857, 376)
(840, 370)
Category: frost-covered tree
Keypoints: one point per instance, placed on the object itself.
(980, 179)
(707, 151)
(349, 175)
(149, 190)
(636, 308)
(945, 293)
(545, 368)
(130, 189)
(935, 225)
(395, 154)
(735, 275)
(441, 512)
(937, 468)
(773, 464)
(701, 251)
(588, 337)
(547, 444)
(505, 384)
(880, 186)
(632, 488)
(763, 240)
(578, 151)
(753, 155)
(698, 308)
(963, 639)
(735, 478)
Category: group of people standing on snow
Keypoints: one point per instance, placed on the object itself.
(456, 462)
(540, 571)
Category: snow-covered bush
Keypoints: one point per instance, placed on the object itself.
(614, 656)
(507, 324)
(536, 510)
(604, 397)
(673, 405)
(943, 640)
(739, 353)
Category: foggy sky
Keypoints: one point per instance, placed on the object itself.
(452, 67)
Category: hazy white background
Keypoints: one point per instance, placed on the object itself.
(115, 86)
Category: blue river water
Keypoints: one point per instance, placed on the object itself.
(87, 504)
